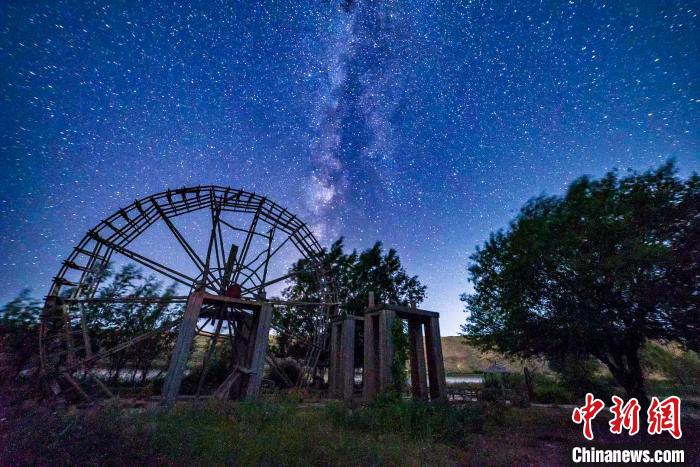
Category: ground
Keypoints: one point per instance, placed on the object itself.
(283, 431)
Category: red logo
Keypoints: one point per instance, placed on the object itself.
(625, 416)
(661, 416)
(665, 416)
(587, 413)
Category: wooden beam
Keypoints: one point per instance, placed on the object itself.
(183, 345)
(347, 358)
(436, 367)
(334, 363)
(261, 335)
(386, 349)
(370, 368)
(419, 383)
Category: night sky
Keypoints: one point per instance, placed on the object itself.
(422, 125)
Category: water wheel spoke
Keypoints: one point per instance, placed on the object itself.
(147, 262)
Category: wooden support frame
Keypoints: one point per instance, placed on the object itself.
(426, 359)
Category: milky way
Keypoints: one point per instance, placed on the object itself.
(422, 125)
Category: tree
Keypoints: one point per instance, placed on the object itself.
(354, 275)
(612, 264)
(114, 323)
(18, 328)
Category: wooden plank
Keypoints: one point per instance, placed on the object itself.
(419, 383)
(260, 344)
(347, 358)
(386, 349)
(183, 345)
(370, 381)
(407, 312)
(436, 368)
(334, 363)
(239, 302)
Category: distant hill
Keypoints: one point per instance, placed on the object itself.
(462, 358)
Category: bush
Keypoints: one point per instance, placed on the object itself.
(550, 391)
(414, 419)
(681, 367)
(579, 375)
(504, 386)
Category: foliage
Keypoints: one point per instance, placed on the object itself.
(579, 375)
(266, 433)
(291, 372)
(113, 323)
(217, 369)
(613, 263)
(355, 275)
(504, 386)
(682, 368)
(415, 419)
(18, 328)
(550, 391)
(21, 313)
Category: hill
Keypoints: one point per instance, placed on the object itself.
(462, 358)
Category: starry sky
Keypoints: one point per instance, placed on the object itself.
(422, 124)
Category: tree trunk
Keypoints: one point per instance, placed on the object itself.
(627, 371)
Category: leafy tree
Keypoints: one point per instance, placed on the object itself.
(18, 327)
(22, 312)
(612, 264)
(114, 323)
(355, 275)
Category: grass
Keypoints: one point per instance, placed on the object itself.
(264, 433)
(281, 432)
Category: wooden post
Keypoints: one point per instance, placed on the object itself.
(370, 369)
(183, 345)
(386, 349)
(436, 368)
(347, 357)
(419, 383)
(260, 336)
(333, 373)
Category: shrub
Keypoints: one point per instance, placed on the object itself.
(681, 367)
(579, 374)
(414, 419)
(504, 386)
(550, 391)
